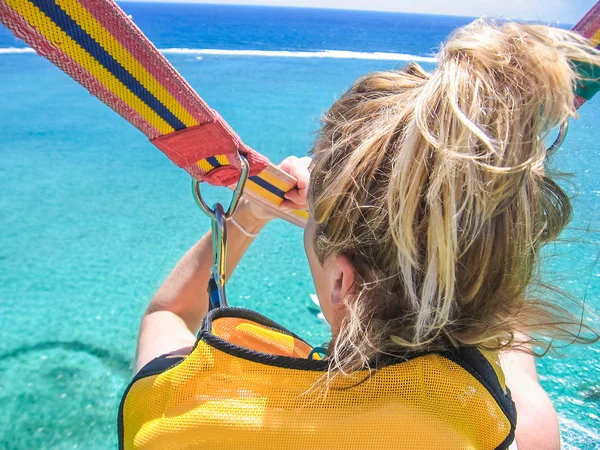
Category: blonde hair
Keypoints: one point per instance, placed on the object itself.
(434, 185)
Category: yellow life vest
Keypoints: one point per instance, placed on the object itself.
(248, 385)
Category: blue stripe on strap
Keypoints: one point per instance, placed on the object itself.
(268, 186)
(213, 161)
(73, 30)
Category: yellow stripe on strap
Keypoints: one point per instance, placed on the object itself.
(222, 160)
(303, 214)
(262, 192)
(596, 38)
(205, 166)
(275, 181)
(262, 195)
(62, 41)
(113, 47)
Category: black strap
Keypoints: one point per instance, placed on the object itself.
(154, 367)
(471, 359)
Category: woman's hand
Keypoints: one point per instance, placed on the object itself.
(176, 311)
(295, 198)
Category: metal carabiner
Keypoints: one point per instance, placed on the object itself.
(235, 198)
(219, 267)
(562, 134)
(219, 217)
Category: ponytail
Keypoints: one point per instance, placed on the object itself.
(435, 186)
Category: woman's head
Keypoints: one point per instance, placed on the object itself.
(433, 188)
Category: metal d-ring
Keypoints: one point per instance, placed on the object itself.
(219, 217)
(235, 198)
(562, 134)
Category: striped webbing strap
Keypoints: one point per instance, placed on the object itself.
(588, 27)
(99, 46)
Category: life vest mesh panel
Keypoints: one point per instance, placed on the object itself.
(245, 386)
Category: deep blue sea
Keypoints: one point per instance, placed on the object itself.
(93, 217)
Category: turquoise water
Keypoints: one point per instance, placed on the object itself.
(93, 218)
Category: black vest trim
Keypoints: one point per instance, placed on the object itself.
(477, 365)
(469, 358)
(154, 367)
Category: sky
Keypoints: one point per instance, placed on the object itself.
(562, 11)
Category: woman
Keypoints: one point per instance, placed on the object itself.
(429, 204)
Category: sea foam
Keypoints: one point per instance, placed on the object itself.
(581, 430)
(333, 54)
(15, 50)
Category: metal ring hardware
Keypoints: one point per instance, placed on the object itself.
(219, 217)
(560, 139)
(235, 198)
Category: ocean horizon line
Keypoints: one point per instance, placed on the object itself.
(294, 7)
(331, 54)
(556, 21)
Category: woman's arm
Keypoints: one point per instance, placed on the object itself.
(175, 313)
(537, 424)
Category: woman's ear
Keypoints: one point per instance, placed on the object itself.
(342, 276)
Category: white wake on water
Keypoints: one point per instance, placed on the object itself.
(332, 54)
(579, 432)
(315, 300)
(15, 50)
